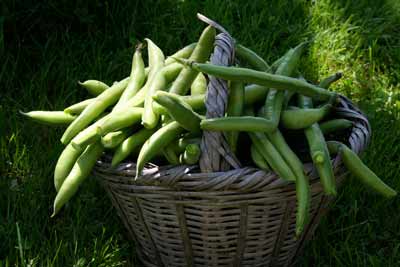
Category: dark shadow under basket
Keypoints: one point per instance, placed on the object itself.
(179, 216)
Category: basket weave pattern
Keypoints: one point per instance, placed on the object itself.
(213, 216)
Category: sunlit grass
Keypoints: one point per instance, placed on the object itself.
(46, 48)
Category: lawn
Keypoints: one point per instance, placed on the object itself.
(46, 47)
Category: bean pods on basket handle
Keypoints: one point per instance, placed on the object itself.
(216, 154)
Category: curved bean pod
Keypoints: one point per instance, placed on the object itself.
(77, 108)
(200, 53)
(113, 139)
(253, 94)
(258, 159)
(275, 98)
(296, 166)
(79, 172)
(303, 118)
(303, 196)
(185, 141)
(88, 136)
(182, 53)
(272, 156)
(240, 124)
(157, 82)
(199, 85)
(160, 139)
(114, 121)
(319, 152)
(50, 117)
(94, 109)
(251, 57)
(335, 125)
(136, 79)
(129, 145)
(191, 155)
(325, 83)
(357, 168)
(235, 108)
(179, 111)
(120, 119)
(171, 71)
(169, 154)
(261, 78)
(94, 87)
(64, 164)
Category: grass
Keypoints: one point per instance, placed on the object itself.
(47, 47)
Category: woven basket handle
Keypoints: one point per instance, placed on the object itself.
(216, 154)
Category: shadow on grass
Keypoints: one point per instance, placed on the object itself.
(362, 39)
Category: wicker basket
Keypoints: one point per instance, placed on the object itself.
(209, 215)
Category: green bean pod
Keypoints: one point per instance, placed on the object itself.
(279, 82)
(253, 94)
(136, 78)
(120, 119)
(325, 83)
(94, 87)
(171, 71)
(295, 164)
(335, 125)
(303, 195)
(303, 118)
(359, 170)
(277, 139)
(50, 117)
(156, 62)
(138, 99)
(114, 121)
(319, 152)
(191, 155)
(258, 159)
(235, 108)
(169, 154)
(180, 144)
(179, 111)
(239, 124)
(160, 139)
(278, 155)
(89, 135)
(185, 141)
(302, 184)
(64, 164)
(272, 156)
(200, 53)
(158, 82)
(274, 66)
(150, 117)
(199, 85)
(275, 98)
(79, 172)
(129, 145)
(251, 57)
(113, 139)
(94, 109)
(77, 108)
(182, 53)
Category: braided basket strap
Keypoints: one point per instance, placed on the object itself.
(216, 154)
(361, 132)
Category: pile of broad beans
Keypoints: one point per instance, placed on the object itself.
(157, 114)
